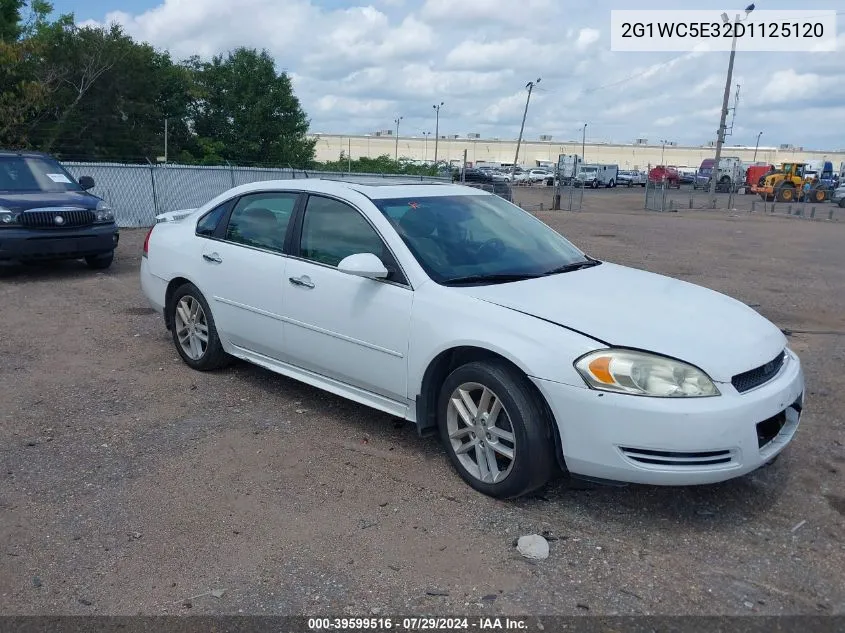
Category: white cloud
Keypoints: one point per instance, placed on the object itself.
(784, 85)
(355, 68)
(587, 37)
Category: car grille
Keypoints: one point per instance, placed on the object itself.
(756, 377)
(671, 458)
(57, 218)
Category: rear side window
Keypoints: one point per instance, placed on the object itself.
(261, 220)
(208, 223)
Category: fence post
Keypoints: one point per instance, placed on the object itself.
(153, 182)
(231, 173)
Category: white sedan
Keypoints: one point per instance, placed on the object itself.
(460, 312)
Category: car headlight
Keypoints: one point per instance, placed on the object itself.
(104, 212)
(643, 374)
(9, 218)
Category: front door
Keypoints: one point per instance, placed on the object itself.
(349, 328)
(245, 271)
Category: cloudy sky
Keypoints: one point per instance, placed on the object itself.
(357, 65)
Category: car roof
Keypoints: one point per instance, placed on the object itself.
(373, 187)
(24, 152)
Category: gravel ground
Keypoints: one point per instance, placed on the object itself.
(131, 484)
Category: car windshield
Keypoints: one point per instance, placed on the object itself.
(478, 238)
(31, 173)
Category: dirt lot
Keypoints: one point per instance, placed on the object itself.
(131, 484)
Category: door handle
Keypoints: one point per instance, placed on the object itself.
(214, 257)
(301, 281)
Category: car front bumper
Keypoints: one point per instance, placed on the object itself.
(669, 441)
(17, 244)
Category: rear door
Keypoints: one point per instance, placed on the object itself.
(243, 268)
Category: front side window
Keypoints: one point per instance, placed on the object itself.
(261, 220)
(333, 230)
(32, 174)
(483, 236)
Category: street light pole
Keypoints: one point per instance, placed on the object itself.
(754, 160)
(662, 150)
(720, 138)
(583, 142)
(425, 151)
(396, 121)
(530, 85)
(436, 129)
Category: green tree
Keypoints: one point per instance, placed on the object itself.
(243, 102)
(10, 20)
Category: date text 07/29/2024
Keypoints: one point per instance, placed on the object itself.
(417, 624)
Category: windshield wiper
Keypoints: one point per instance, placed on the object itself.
(499, 278)
(589, 263)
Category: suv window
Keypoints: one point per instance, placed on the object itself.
(333, 230)
(261, 220)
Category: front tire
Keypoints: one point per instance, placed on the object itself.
(100, 262)
(194, 333)
(498, 437)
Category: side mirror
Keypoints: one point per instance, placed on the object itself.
(86, 182)
(363, 265)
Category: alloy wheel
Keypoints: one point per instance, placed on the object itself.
(191, 327)
(480, 432)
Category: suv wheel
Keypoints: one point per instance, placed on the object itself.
(100, 262)
(498, 437)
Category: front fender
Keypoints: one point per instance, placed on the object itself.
(539, 348)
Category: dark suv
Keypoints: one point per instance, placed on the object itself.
(46, 214)
(482, 180)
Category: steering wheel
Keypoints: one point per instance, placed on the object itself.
(495, 245)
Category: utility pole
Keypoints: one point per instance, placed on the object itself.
(396, 121)
(349, 155)
(754, 160)
(437, 130)
(165, 141)
(720, 138)
(530, 85)
(583, 143)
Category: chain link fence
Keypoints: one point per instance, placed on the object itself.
(140, 192)
(660, 197)
(501, 189)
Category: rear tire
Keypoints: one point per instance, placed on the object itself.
(842, 203)
(192, 321)
(486, 410)
(100, 262)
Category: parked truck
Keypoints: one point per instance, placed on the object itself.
(754, 175)
(729, 176)
(596, 176)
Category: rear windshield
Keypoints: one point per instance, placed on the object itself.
(32, 174)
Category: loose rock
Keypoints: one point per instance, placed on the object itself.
(436, 592)
(533, 546)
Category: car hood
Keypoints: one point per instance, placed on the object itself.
(38, 199)
(627, 307)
